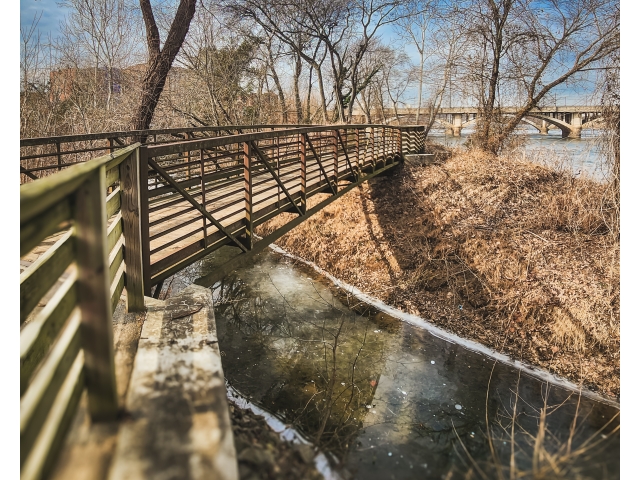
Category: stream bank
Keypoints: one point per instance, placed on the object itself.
(499, 250)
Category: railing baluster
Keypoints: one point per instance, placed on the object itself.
(358, 151)
(248, 196)
(303, 173)
(59, 156)
(335, 158)
(204, 200)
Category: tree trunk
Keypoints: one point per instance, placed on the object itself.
(296, 88)
(160, 61)
(420, 82)
(323, 98)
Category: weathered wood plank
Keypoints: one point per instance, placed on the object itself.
(52, 434)
(113, 176)
(94, 296)
(114, 232)
(132, 230)
(36, 280)
(40, 396)
(113, 202)
(44, 224)
(117, 287)
(37, 336)
(187, 412)
(116, 258)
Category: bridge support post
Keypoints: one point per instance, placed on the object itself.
(94, 298)
(303, 173)
(457, 124)
(358, 165)
(248, 195)
(384, 146)
(143, 174)
(203, 193)
(132, 230)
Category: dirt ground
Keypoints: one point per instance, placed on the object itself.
(262, 455)
(512, 254)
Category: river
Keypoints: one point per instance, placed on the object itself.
(386, 399)
(582, 155)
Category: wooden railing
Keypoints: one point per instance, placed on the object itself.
(43, 156)
(68, 291)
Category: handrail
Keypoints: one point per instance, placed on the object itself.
(42, 156)
(179, 146)
(35, 141)
(38, 196)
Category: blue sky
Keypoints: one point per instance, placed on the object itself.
(51, 15)
(50, 19)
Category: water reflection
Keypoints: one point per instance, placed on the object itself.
(387, 399)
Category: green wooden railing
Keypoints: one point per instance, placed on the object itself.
(68, 294)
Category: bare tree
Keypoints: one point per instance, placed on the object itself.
(534, 46)
(100, 33)
(414, 27)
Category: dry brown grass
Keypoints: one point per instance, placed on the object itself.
(510, 253)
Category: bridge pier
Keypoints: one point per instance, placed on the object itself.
(576, 126)
(455, 128)
(544, 128)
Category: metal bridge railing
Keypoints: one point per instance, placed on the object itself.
(40, 157)
(203, 194)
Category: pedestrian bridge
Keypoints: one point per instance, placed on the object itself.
(569, 119)
(156, 201)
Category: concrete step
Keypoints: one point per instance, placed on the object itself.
(178, 425)
(171, 388)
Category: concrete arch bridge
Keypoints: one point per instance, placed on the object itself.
(569, 119)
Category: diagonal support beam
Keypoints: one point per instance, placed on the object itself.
(28, 173)
(313, 150)
(190, 199)
(344, 148)
(265, 160)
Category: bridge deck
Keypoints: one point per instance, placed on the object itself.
(241, 191)
(226, 199)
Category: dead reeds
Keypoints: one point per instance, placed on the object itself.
(519, 256)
